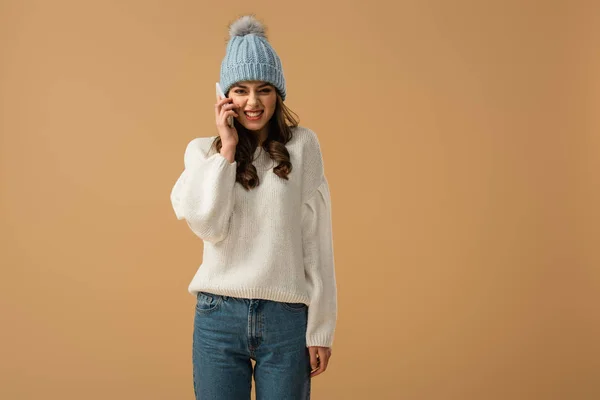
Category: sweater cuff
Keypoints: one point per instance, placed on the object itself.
(224, 160)
(320, 339)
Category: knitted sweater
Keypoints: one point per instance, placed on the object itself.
(273, 242)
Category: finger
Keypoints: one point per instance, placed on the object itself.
(224, 112)
(323, 358)
(228, 107)
(314, 362)
(222, 121)
(317, 371)
(224, 102)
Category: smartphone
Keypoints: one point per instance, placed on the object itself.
(221, 95)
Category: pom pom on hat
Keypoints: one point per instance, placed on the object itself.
(247, 25)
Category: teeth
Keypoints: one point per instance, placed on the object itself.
(253, 114)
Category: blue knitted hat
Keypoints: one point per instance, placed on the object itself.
(250, 57)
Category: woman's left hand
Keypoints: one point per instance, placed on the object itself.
(319, 358)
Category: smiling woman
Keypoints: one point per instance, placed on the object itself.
(261, 120)
(268, 253)
(257, 100)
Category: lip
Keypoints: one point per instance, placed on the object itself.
(249, 118)
(253, 110)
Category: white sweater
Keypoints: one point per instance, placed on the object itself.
(273, 242)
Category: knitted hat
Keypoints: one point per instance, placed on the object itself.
(250, 57)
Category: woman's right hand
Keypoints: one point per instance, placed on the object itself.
(223, 109)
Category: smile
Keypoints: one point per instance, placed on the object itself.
(253, 116)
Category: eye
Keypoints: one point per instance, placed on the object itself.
(238, 91)
(266, 90)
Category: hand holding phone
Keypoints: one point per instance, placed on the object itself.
(224, 118)
(221, 95)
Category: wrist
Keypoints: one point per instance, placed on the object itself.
(228, 151)
(228, 145)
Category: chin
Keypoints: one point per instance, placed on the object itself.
(253, 126)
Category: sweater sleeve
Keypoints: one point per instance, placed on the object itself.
(319, 267)
(203, 194)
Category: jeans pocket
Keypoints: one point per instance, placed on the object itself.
(294, 307)
(207, 302)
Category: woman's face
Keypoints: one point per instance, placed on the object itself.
(256, 96)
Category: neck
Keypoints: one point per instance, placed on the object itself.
(262, 134)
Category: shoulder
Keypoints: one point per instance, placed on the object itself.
(308, 152)
(198, 148)
(305, 144)
(306, 138)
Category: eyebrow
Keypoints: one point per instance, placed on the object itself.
(245, 87)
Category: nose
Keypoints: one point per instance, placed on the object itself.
(252, 99)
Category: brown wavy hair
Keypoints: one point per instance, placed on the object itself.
(280, 132)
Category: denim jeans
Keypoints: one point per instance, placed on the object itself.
(231, 331)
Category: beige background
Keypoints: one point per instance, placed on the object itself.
(461, 145)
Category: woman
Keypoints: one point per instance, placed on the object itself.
(257, 196)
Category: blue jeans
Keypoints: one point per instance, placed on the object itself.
(230, 331)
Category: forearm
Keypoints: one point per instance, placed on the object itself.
(203, 194)
(319, 267)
